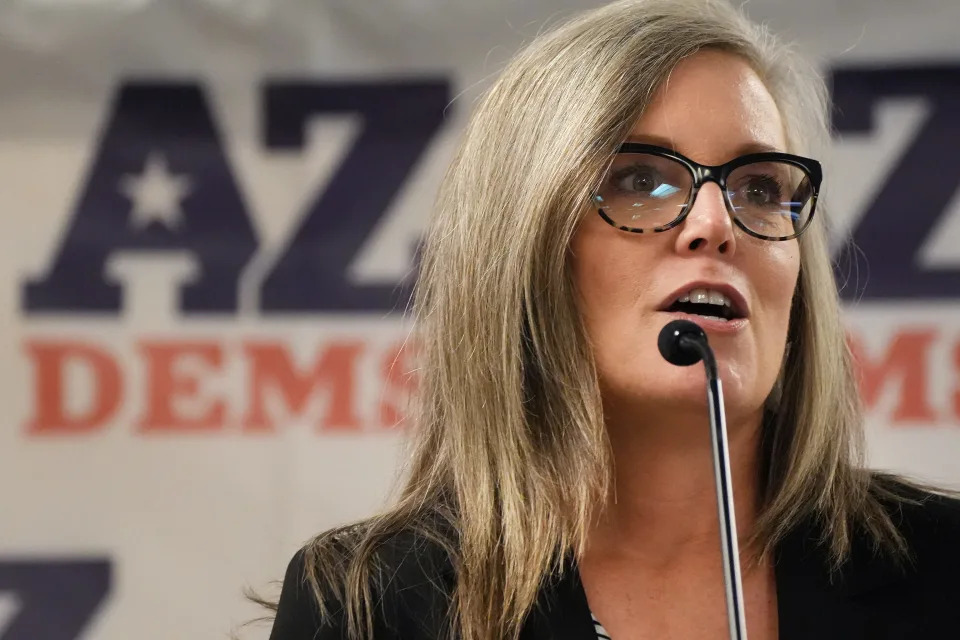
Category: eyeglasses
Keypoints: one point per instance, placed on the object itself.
(771, 196)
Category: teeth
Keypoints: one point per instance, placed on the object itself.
(719, 299)
(705, 296)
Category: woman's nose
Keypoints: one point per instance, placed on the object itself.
(708, 226)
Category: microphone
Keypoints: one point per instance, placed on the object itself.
(679, 342)
(683, 343)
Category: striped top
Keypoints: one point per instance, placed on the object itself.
(601, 632)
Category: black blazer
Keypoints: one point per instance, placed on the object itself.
(870, 599)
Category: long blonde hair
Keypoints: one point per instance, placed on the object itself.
(510, 457)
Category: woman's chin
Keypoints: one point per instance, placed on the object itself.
(683, 394)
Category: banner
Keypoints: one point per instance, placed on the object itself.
(211, 218)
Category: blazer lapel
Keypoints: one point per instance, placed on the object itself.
(561, 611)
(815, 603)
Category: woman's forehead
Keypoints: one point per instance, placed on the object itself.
(712, 107)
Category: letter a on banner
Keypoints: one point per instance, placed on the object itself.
(159, 182)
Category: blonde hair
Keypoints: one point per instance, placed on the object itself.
(511, 459)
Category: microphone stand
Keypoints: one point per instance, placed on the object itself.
(684, 343)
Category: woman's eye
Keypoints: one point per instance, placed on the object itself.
(762, 191)
(638, 180)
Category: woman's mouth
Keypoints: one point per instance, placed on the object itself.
(713, 308)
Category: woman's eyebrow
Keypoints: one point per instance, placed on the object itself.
(666, 143)
(752, 146)
(757, 147)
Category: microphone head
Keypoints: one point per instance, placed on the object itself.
(674, 348)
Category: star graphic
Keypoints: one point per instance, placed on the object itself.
(156, 194)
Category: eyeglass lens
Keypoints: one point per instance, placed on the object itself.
(645, 192)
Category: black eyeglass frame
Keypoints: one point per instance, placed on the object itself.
(718, 174)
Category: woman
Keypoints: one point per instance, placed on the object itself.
(562, 472)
